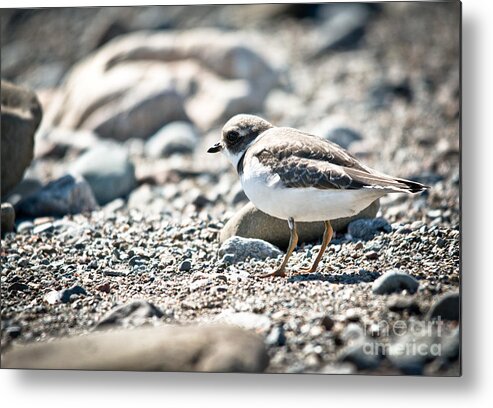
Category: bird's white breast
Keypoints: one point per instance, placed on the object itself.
(266, 192)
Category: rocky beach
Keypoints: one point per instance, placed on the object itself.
(121, 235)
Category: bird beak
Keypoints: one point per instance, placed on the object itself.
(215, 148)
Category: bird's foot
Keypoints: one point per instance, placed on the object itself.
(305, 271)
(279, 272)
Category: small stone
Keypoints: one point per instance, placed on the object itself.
(410, 352)
(13, 331)
(185, 266)
(371, 255)
(395, 281)
(245, 248)
(362, 354)
(351, 315)
(25, 227)
(446, 308)
(404, 230)
(366, 229)
(327, 322)
(18, 287)
(276, 337)
(174, 138)
(352, 332)
(104, 287)
(133, 313)
(52, 297)
(8, 218)
(401, 304)
(200, 283)
(67, 294)
(43, 228)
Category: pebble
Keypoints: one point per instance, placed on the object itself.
(185, 266)
(25, 227)
(174, 138)
(361, 354)
(132, 313)
(366, 229)
(240, 249)
(395, 281)
(446, 308)
(276, 337)
(8, 218)
(401, 304)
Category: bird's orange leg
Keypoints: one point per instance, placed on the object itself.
(293, 240)
(325, 242)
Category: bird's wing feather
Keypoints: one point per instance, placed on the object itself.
(310, 161)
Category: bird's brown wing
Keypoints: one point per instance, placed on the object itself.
(302, 160)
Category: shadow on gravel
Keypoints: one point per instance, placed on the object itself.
(343, 278)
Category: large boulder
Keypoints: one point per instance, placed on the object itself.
(250, 222)
(21, 115)
(137, 83)
(171, 348)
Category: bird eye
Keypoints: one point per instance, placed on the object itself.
(232, 136)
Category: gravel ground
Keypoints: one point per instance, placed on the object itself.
(161, 243)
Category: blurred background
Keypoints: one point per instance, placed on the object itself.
(132, 96)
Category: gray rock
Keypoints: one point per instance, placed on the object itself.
(413, 350)
(174, 138)
(395, 281)
(70, 194)
(108, 170)
(276, 337)
(249, 222)
(366, 229)
(133, 313)
(21, 115)
(64, 295)
(46, 227)
(171, 348)
(24, 227)
(245, 248)
(185, 266)
(8, 218)
(446, 308)
(361, 353)
(403, 303)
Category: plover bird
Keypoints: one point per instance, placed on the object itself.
(297, 177)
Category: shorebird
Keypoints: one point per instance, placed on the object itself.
(299, 177)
